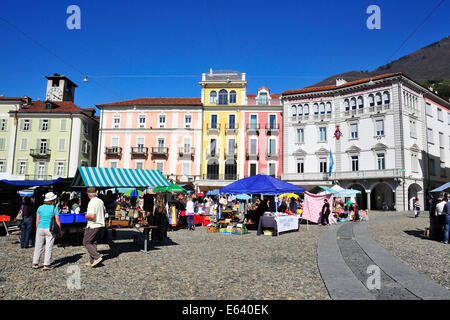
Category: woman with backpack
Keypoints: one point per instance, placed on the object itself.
(43, 234)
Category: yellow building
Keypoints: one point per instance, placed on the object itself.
(223, 94)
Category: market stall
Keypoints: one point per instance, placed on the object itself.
(107, 178)
(262, 185)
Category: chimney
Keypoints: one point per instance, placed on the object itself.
(340, 82)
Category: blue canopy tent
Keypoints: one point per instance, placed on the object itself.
(442, 188)
(260, 184)
(23, 184)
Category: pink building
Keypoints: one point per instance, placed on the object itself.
(263, 132)
(152, 133)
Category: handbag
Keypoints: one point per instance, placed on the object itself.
(20, 214)
(54, 228)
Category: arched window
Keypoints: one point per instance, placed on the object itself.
(316, 108)
(328, 108)
(386, 97)
(378, 99)
(230, 169)
(213, 97)
(294, 110)
(360, 102)
(300, 110)
(306, 109)
(212, 169)
(371, 100)
(223, 96)
(322, 108)
(232, 96)
(346, 105)
(353, 103)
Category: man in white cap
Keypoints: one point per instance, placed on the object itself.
(96, 220)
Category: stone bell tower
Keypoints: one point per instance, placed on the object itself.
(60, 88)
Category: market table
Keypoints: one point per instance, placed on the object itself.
(146, 232)
(278, 223)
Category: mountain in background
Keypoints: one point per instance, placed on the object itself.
(430, 66)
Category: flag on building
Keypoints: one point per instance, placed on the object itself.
(331, 164)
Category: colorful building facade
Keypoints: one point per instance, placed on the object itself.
(153, 133)
(53, 137)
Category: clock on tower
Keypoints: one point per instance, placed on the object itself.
(55, 94)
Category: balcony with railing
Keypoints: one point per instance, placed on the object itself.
(253, 128)
(213, 128)
(272, 128)
(113, 151)
(272, 155)
(231, 153)
(252, 155)
(231, 128)
(212, 153)
(186, 151)
(160, 151)
(216, 176)
(139, 151)
(41, 153)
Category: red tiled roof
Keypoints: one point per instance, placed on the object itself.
(156, 102)
(12, 98)
(58, 107)
(332, 87)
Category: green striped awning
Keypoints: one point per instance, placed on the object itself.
(118, 177)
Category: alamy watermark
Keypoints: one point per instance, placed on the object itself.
(374, 280)
(74, 20)
(374, 20)
(74, 280)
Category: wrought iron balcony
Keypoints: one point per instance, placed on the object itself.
(252, 155)
(113, 151)
(231, 153)
(213, 128)
(272, 155)
(139, 151)
(216, 176)
(231, 128)
(185, 151)
(160, 151)
(42, 153)
(272, 128)
(253, 128)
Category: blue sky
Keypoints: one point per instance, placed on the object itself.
(280, 44)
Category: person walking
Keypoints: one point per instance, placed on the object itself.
(447, 221)
(43, 220)
(190, 211)
(440, 220)
(27, 223)
(96, 222)
(325, 213)
(356, 211)
(416, 208)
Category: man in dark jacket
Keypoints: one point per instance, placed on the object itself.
(325, 212)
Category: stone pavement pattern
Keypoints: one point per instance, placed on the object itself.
(359, 251)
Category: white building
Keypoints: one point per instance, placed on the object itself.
(394, 141)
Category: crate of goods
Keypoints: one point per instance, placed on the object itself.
(66, 217)
(212, 229)
(80, 218)
(268, 232)
(240, 230)
(223, 230)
